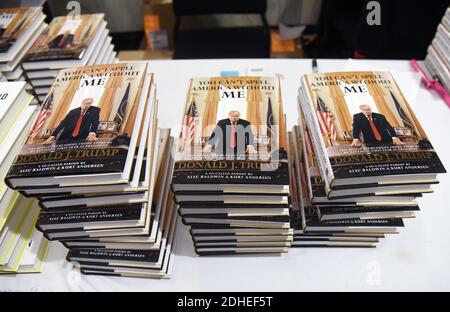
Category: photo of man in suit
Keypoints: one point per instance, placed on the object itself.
(231, 136)
(61, 41)
(374, 128)
(80, 124)
(2, 30)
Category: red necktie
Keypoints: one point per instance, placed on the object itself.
(78, 125)
(233, 136)
(374, 129)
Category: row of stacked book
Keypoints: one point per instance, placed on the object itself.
(23, 249)
(231, 179)
(346, 176)
(99, 168)
(361, 160)
(437, 60)
(32, 51)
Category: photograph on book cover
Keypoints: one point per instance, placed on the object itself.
(233, 118)
(367, 126)
(13, 22)
(67, 37)
(85, 123)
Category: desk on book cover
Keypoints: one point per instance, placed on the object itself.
(418, 259)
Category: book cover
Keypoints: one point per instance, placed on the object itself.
(65, 38)
(233, 132)
(115, 213)
(363, 126)
(101, 254)
(13, 23)
(85, 124)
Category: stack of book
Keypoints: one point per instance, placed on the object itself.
(231, 175)
(19, 29)
(22, 248)
(100, 169)
(437, 60)
(361, 160)
(68, 41)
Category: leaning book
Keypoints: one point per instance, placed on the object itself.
(87, 129)
(233, 137)
(365, 132)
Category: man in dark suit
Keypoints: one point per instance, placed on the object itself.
(373, 127)
(80, 124)
(231, 136)
(61, 41)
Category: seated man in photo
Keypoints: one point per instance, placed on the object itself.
(374, 128)
(231, 136)
(80, 124)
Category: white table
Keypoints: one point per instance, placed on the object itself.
(416, 259)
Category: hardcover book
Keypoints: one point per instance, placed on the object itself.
(88, 126)
(233, 137)
(145, 175)
(33, 257)
(13, 99)
(130, 255)
(15, 23)
(215, 251)
(151, 232)
(132, 215)
(65, 38)
(85, 244)
(224, 229)
(329, 242)
(228, 244)
(137, 241)
(235, 238)
(11, 66)
(364, 130)
(118, 257)
(164, 271)
(316, 188)
(10, 143)
(358, 212)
